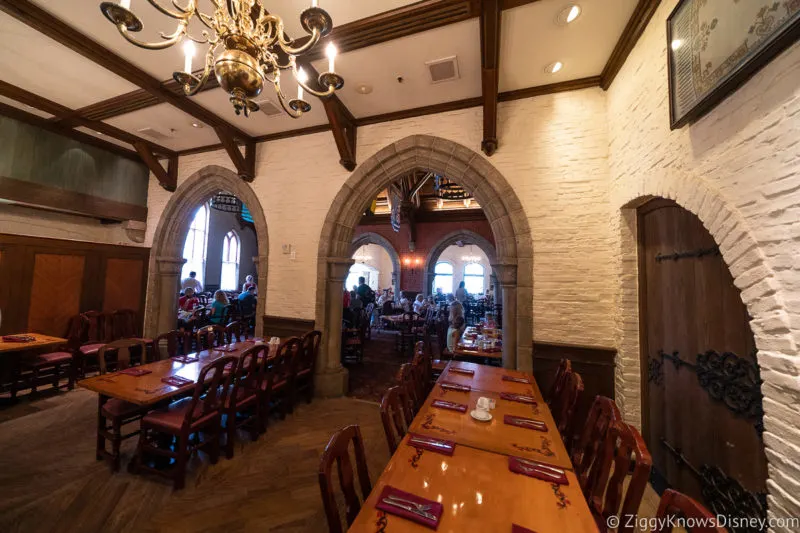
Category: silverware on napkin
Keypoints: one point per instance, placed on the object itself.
(410, 509)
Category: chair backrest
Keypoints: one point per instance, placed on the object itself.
(77, 331)
(623, 444)
(124, 324)
(250, 370)
(279, 367)
(602, 415)
(405, 379)
(387, 308)
(121, 350)
(235, 332)
(311, 342)
(172, 340)
(96, 329)
(558, 380)
(338, 451)
(563, 405)
(210, 336)
(674, 503)
(393, 417)
(218, 385)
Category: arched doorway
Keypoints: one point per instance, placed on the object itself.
(504, 211)
(383, 242)
(166, 258)
(465, 237)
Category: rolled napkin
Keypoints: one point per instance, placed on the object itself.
(185, 359)
(136, 372)
(176, 381)
(445, 447)
(18, 338)
(519, 529)
(521, 398)
(522, 422)
(542, 471)
(465, 371)
(455, 386)
(406, 505)
(515, 379)
(444, 404)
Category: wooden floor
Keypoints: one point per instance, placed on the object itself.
(50, 481)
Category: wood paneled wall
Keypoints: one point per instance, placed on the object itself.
(46, 281)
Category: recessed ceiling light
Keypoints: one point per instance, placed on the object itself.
(676, 43)
(198, 125)
(99, 132)
(568, 14)
(552, 68)
(363, 88)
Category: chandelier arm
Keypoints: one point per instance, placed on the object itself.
(282, 100)
(185, 14)
(206, 72)
(169, 40)
(318, 94)
(206, 20)
(286, 45)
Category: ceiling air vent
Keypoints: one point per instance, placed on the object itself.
(445, 69)
(153, 134)
(268, 108)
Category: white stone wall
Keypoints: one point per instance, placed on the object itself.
(738, 170)
(553, 151)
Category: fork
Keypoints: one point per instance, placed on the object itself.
(540, 465)
(531, 470)
(419, 506)
(409, 508)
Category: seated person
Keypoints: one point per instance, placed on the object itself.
(218, 307)
(248, 282)
(188, 301)
(457, 325)
(345, 298)
(405, 304)
(247, 302)
(420, 305)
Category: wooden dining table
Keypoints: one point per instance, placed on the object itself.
(40, 341)
(475, 485)
(12, 354)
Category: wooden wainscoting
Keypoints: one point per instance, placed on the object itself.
(46, 281)
(594, 364)
(281, 326)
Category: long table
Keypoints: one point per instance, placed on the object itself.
(475, 485)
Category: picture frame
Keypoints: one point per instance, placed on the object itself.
(714, 46)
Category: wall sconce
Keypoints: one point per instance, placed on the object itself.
(413, 262)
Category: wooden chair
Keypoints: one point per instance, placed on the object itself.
(199, 414)
(95, 338)
(235, 332)
(47, 368)
(602, 415)
(564, 367)
(405, 336)
(337, 451)
(623, 445)
(114, 413)
(173, 342)
(405, 379)
(242, 404)
(210, 336)
(393, 418)
(674, 503)
(277, 382)
(368, 311)
(303, 380)
(563, 407)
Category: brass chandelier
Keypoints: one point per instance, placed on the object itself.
(253, 48)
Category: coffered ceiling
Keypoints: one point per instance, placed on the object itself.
(384, 55)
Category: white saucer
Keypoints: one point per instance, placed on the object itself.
(481, 416)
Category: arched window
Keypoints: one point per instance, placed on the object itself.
(229, 276)
(443, 278)
(194, 250)
(474, 278)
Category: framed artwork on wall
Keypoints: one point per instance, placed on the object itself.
(714, 46)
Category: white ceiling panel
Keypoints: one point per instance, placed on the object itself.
(379, 67)
(104, 137)
(531, 40)
(42, 66)
(170, 127)
(24, 107)
(341, 11)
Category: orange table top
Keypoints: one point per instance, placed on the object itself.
(470, 346)
(494, 435)
(40, 342)
(478, 492)
(149, 389)
(490, 378)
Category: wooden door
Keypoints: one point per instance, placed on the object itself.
(702, 416)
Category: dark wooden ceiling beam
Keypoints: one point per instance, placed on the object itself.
(245, 164)
(42, 21)
(641, 16)
(168, 178)
(490, 71)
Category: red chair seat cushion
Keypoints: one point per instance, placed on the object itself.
(171, 419)
(276, 385)
(91, 349)
(49, 359)
(244, 397)
(303, 372)
(146, 340)
(115, 408)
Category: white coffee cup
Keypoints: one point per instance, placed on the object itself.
(484, 404)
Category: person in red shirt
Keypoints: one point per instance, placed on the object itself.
(346, 298)
(188, 301)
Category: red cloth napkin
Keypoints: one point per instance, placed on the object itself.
(542, 471)
(517, 380)
(185, 359)
(464, 371)
(519, 529)
(176, 381)
(455, 386)
(522, 422)
(445, 447)
(136, 372)
(436, 508)
(521, 398)
(443, 404)
(18, 338)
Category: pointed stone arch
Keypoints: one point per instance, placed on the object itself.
(375, 238)
(463, 235)
(503, 209)
(166, 255)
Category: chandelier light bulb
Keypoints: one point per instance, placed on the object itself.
(573, 13)
(188, 54)
(330, 51)
(314, 3)
(302, 77)
(125, 3)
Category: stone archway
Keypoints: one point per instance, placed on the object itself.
(504, 211)
(374, 238)
(166, 255)
(467, 237)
